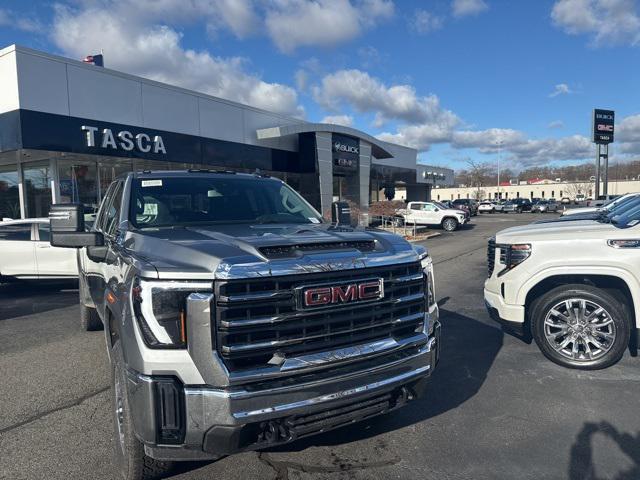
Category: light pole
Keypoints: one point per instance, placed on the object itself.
(499, 143)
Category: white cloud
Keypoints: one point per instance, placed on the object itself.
(135, 40)
(560, 89)
(628, 134)
(292, 24)
(462, 8)
(608, 22)
(345, 120)
(556, 124)
(424, 22)
(367, 94)
(19, 22)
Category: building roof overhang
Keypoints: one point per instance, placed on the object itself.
(378, 149)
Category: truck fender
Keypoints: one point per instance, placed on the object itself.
(618, 272)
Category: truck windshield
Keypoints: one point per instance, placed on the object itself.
(197, 200)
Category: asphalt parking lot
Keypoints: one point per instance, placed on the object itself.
(496, 407)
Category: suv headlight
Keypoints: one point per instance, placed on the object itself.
(160, 309)
(513, 255)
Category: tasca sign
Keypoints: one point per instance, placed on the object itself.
(123, 140)
(603, 126)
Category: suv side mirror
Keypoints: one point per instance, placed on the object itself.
(67, 227)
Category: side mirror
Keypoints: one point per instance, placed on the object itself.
(68, 229)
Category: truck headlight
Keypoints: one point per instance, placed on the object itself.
(160, 309)
(429, 289)
(513, 255)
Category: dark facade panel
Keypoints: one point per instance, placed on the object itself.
(45, 131)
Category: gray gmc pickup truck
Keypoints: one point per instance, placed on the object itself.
(236, 318)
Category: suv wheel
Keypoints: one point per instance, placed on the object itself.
(580, 326)
(449, 224)
(131, 461)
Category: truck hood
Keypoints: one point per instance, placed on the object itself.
(242, 251)
(552, 231)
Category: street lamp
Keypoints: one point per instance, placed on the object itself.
(499, 144)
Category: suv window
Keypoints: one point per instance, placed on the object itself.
(16, 232)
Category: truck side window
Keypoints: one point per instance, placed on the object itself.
(416, 206)
(100, 219)
(112, 213)
(428, 207)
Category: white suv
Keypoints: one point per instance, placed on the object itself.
(428, 213)
(574, 286)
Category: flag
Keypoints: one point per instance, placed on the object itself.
(97, 60)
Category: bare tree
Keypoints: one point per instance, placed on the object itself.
(578, 188)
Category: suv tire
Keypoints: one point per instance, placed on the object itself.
(449, 224)
(580, 326)
(131, 461)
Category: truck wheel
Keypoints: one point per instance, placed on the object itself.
(449, 224)
(580, 326)
(130, 459)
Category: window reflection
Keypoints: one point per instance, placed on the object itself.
(37, 188)
(9, 192)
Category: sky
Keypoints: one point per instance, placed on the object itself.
(459, 80)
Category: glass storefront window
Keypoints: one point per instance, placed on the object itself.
(37, 178)
(110, 170)
(79, 183)
(9, 192)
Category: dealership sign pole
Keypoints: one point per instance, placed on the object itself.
(603, 126)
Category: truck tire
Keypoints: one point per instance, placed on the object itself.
(449, 224)
(131, 461)
(89, 320)
(580, 326)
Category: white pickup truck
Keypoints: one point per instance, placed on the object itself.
(573, 286)
(428, 213)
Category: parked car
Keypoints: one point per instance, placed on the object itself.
(207, 285)
(545, 206)
(580, 198)
(486, 207)
(579, 304)
(470, 203)
(601, 214)
(565, 201)
(25, 252)
(509, 206)
(607, 206)
(498, 205)
(428, 213)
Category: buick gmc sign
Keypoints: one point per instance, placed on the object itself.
(603, 126)
(345, 152)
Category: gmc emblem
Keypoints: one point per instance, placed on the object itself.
(333, 295)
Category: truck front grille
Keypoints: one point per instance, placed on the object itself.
(257, 319)
(491, 255)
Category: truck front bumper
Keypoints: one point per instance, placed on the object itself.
(211, 422)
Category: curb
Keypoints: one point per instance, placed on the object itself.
(426, 237)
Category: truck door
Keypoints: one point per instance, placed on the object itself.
(431, 214)
(414, 213)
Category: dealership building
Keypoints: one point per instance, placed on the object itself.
(67, 129)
